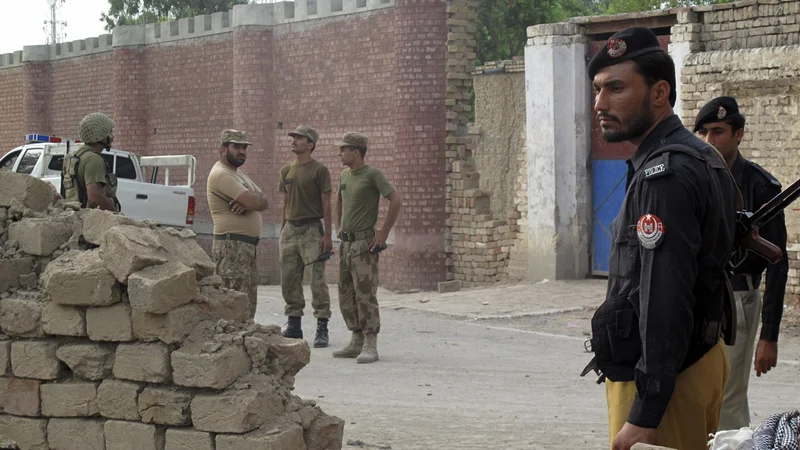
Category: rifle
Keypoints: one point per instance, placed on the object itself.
(747, 241)
(747, 225)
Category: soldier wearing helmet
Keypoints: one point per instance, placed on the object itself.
(84, 176)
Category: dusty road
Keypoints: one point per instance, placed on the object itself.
(492, 368)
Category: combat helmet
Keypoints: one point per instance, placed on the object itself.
(95, 127)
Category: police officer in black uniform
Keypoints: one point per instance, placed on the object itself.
(722, 125)
(656, 338)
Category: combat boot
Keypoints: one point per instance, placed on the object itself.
(293, 329)
(321, 339)
(353, 348)
(369, 352)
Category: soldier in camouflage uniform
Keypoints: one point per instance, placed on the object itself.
(360, 189)
(84, 175)
(236, 204)
(306, 188)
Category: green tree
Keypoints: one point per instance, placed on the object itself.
(133, 12)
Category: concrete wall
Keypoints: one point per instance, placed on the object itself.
(500, 117)
(343, 65)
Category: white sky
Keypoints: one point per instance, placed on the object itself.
(24, 21)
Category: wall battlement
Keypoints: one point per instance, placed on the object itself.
(265, 15)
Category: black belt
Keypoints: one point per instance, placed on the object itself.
(739, 282)
(236, 237)
(351, 236)
(303, 222)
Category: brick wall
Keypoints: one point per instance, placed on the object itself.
(172, 87)
(749, 24)
(12, 129)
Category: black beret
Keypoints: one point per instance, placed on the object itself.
(721, 109)
(622, 46)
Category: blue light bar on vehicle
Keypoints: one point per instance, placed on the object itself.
(34, 138)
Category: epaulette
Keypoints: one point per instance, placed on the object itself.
(768, 175)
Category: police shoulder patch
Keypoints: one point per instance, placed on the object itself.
(650, 231)
(657, 167)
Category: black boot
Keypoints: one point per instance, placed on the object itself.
(321, 339)
(293, 329)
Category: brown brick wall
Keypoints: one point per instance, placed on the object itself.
(382, 73)
(12, 118)
(749, 24)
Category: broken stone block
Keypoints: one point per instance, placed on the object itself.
(191, 366)
(247, 405)
(326, 432)
(63, 320)
(122, 435)
(127, 249)
(89, 361)
(79, 278)
(11, 269)
(29, 434)
(292, 354)
(29, 281)
(174, 326)
(110, 323)
(287, 436)
(21, 317)
(449, 286)
(73, 399)
(159, 289)
(28, 191)
(182, 439)
(165, 406)
(147, 362)
(35, 359)
(41, 237)
(117, 399)
(76, 434)
(5, 357)
(97, 222)
(19, 396)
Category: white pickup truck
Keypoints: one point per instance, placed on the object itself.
(43, 157)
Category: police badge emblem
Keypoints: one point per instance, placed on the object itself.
(650, 230)
(721, 113)
(616, 47)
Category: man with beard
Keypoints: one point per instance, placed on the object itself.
(656, 336)
(236, 204)
(720, 124)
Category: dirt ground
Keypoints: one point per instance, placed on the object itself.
(488, 368)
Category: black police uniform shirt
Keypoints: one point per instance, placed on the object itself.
(758, 187)
(655, 259)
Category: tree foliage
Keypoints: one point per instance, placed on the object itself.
(502, 24)
(133, 12)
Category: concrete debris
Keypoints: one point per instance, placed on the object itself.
(114, 331)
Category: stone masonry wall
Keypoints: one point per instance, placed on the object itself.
(481, 237)
(117, 334)
(764, 82)
(266, 68)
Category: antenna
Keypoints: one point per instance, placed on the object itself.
(52, 26)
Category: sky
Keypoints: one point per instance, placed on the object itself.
(82, 17)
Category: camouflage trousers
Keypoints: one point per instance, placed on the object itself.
(299, 245)
(358, 286)
(236, 265)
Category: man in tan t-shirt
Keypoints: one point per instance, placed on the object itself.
(236, 204)
(306, 188)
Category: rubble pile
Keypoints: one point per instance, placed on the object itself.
(116, 334)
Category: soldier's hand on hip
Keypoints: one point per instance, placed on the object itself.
(766, 356)
(326, 244)
(379, 241)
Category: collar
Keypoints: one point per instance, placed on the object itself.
(738, 169)
(655, 140)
